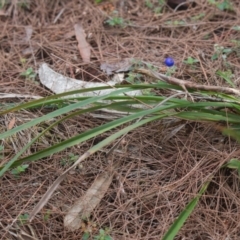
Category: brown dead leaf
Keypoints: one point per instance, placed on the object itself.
(86, 204)
(83, 46)
(11, 123)
(54, 186)
(120, 66)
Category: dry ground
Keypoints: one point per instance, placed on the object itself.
(159, 175)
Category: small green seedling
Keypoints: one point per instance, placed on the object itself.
(23, 218)
(233, 164)
(161, 2)
(70, 159)
(191, 61)
(29, 74)
(47, 215)
(149, 4)
(227, 76)
(133, 78)
(222, 5)
(86, 236)
(151, 67)
(220, 51)
(98, 1)
(171, 71)
(20, 169)
(198, 17)
(115, 20)
(157, 7)
(236, 28)
(103, 235)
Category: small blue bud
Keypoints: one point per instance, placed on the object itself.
(169, 61)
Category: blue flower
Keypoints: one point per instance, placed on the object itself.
(169, 61)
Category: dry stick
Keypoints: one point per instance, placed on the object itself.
(187, 84)
(15, 95)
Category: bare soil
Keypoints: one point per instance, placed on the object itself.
(157, 175)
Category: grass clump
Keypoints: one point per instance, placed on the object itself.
(159, 107)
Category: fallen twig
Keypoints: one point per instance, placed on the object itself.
(188, 84)
(15, 95)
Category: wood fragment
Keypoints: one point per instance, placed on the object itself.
(83, 46)
(188, 84)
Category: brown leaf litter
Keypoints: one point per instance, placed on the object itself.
(159, 169)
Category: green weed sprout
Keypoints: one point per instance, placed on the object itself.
(222, 5)
(19, 169)
(191, 61)
(115, 20)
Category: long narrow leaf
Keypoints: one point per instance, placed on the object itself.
(89, 134)
(59, 112)
(56, 96)
(95, 148)
(85, 136)
(38, 102)
(204, 116)
(183, 216)
(10, 163)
